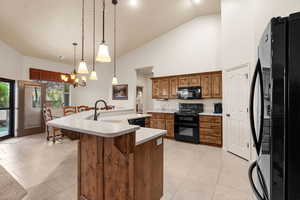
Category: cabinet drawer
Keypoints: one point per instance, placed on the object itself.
(210, 125)
(211, 119)
(210, 132)
(210, 139)
(157, 115)
(169, 116)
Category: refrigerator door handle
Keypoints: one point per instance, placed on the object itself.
(250, 176)
(257, 73)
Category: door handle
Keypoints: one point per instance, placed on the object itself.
(257, 140)
(255, 190)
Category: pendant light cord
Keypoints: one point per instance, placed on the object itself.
(115, 38)
(74, 58)
(82, 49)
(94, 36)
(103, 22)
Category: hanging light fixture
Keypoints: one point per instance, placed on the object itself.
(82, 68)
(115, 80)
(103, 52)
(74, 73)
(93, 75)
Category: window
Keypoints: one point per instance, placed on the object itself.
(57, 93)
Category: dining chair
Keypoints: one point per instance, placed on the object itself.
(68, 110)
(47, 114)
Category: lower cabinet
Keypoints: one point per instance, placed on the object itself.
(211, 130)
(163, 121)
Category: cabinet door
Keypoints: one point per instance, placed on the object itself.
(170, 128)
(216, 85)
(161, 124)
(173, 87)
(194, 80)
(206, 85)
(183, 81)
(155, 88)
(153, 123)
(164, 88)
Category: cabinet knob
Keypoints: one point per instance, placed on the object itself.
(227, 115)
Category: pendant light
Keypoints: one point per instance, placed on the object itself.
(103, 52)
(74, 73)
(115, 80)
(82, 69)
(93, 75)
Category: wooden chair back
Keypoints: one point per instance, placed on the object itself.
(68, 110)
(82, 108)
(47, 114)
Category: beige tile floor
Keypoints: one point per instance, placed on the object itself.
(192, 172)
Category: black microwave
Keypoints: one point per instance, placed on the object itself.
(189, 93)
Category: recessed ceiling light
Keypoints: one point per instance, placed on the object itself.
(196, 1)
(133, 3)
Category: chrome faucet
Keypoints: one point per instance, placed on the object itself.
(96, 104)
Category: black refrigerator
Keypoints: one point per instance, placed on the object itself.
(275, 126)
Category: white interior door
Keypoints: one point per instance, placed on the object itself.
(237, 128)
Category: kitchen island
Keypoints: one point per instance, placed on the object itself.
(116, 161)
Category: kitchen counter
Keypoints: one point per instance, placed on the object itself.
(163, 111)
(110, 123)
(122, 156)
(144, 135)
(211, 114)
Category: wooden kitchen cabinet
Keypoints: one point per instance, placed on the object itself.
(210, 130)
(173, 81)
(206, 85)
(216, 79)
(194, 80)
(183, 81)
(155, 88)
(163, 121)
(166, 87)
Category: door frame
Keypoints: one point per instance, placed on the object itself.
(225, 131)
(21, 102)
(11, 106)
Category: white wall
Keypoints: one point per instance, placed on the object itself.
(191, 47)
(96, 89)
(11, 62)
(31, 62)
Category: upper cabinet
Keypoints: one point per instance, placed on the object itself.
(194, 80)
(206, 85)
(166, 87)
(173, 81)
(183, 81)
(216, 79)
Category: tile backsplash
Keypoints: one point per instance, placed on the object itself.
(173, 104)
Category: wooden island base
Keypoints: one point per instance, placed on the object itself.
(117, 169)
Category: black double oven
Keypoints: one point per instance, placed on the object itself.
(187, 122)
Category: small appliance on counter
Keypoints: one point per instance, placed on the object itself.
(189, 93)
(187, 122)
(218, 108)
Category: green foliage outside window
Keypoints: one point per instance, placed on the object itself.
(4, 94)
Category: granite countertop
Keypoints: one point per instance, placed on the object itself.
(211, 113)
(146, 134)
(110, 124)
(163, 111)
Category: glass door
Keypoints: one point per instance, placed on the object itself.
(7, 108)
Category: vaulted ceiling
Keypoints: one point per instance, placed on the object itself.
(47, 28)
